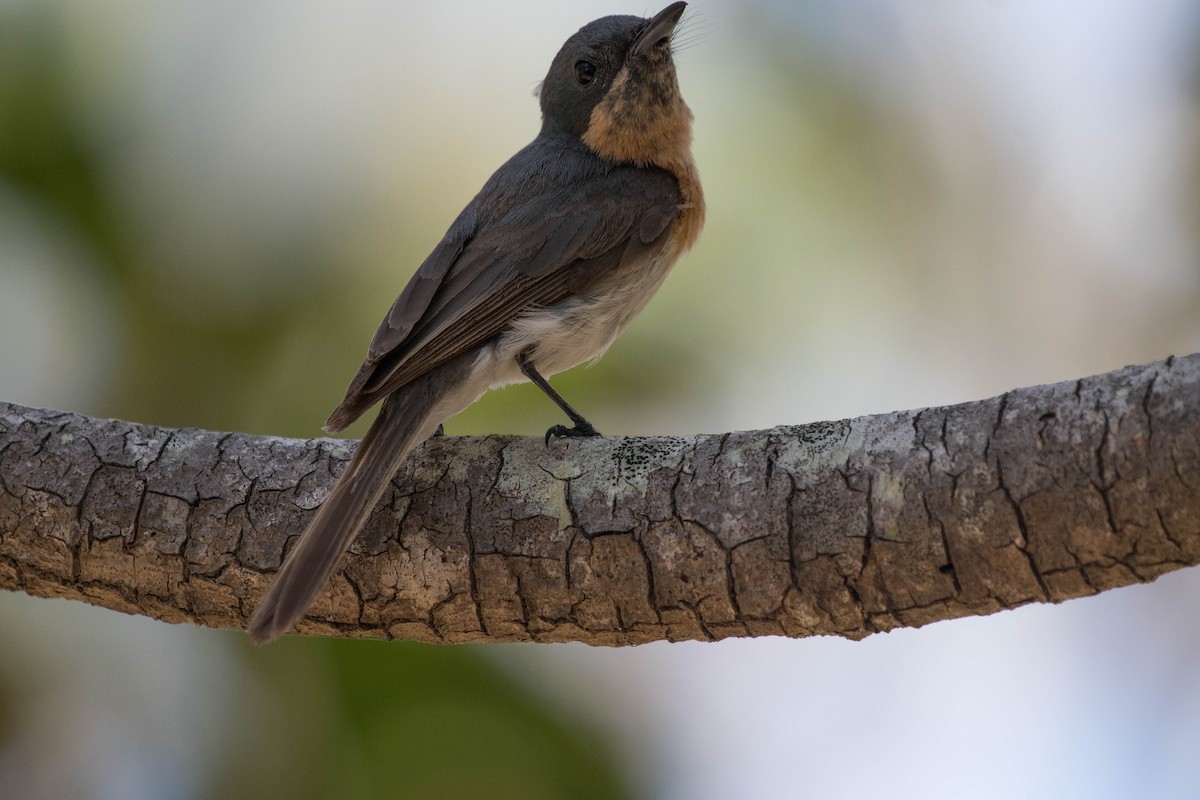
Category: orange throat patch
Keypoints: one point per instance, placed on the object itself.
(647, 123)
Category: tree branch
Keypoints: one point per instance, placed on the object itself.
(846, 528)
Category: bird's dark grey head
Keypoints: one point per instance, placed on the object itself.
(589, 64)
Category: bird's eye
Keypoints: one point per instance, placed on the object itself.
(585, 71)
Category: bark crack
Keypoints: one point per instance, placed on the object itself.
(835, 528)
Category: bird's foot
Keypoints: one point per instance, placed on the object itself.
(582, 430)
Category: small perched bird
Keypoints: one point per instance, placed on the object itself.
(542, 271)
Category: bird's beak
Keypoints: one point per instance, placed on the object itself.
(661, 27)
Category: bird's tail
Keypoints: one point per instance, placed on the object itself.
(403, 422)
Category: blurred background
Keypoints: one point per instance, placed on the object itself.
(206, 206)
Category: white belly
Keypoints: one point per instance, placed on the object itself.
(581, 329)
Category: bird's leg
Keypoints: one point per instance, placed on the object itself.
(582, 426)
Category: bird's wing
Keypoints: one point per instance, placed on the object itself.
(485, 272)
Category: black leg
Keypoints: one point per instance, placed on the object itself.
(582, 426)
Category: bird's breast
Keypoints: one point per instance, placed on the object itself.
(581, 328)
(691, 218)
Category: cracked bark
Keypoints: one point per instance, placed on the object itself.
(847, 528)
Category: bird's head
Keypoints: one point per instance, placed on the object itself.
(613, 85)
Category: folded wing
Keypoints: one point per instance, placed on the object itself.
(494, 263)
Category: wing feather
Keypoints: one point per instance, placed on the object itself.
(484, 273)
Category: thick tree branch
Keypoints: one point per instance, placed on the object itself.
(844, 528)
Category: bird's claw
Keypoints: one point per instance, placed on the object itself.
(580, 431)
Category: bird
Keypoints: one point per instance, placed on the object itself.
(549, 263)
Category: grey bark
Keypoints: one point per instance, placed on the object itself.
(847, 528)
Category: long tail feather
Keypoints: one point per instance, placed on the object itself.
(397, 430)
